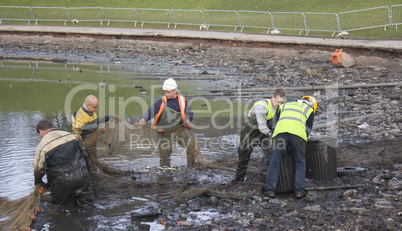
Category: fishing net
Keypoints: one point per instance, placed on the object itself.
(155, 184)
(122, 138)
(19, 213)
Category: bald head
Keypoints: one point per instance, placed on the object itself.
(91, 103)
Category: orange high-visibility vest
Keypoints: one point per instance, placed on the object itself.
(182, 104)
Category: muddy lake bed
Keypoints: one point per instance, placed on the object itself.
(47, 76)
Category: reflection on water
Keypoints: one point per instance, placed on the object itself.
(18, 140)
(137, 153)
(30, 92)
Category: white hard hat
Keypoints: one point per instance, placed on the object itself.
(169, 84)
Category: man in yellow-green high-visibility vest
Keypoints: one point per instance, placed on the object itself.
(256, 130)
(294, 124)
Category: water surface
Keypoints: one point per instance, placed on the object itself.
(31, 91)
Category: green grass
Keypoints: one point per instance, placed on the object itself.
(333, 6)
(191, 19)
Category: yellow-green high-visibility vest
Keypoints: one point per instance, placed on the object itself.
(293, 119)
(267, 104)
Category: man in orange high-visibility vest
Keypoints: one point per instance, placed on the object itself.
(171, 117)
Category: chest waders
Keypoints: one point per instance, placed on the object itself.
(250, 136)
(170, 121)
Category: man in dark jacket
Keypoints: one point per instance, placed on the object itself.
(61, 156)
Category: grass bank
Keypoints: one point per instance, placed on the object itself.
(333, 6)
(320, 23)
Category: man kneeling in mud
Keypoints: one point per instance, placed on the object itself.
(171, 117)
(61, 156)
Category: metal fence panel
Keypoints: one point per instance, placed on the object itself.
(15, 13)
(363, 19)
(150, 15)
(17, 70)
(345, 21)
(228, 18)
(321, 22)
(289, 21)
(255, 19)
(50, 14)
(187, 17)
(88, 14)
(396, 14)
(113, 14)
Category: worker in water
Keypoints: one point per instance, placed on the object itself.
(257, 129)
(61, 156)
(295, 122)
(171, 116)
(85, 124)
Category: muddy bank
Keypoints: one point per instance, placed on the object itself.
(365, 118)
(194, 199)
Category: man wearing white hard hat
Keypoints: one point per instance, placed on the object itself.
(294, 124)
(171, 116)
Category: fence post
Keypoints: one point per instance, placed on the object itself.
(171, 18)
(32, 16)
(138, 17)
(390, 17)
(68, 16)
(338, 22)
(272, 21)
(203, 18)
(238, 20)
(305, 23)
(104, 17)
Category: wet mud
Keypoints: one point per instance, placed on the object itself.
(366, 119)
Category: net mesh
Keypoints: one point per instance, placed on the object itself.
(18, 213)
(106, 179)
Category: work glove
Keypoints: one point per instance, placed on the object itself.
(104, 130)
(142, 122)
(186, 124)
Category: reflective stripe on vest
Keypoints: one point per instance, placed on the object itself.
(267, 104)
(182, 104)
(293, 119)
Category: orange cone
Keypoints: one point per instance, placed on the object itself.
(340, 58)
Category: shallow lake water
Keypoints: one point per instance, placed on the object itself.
(31, 91)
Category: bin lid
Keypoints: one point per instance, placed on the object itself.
(332, 141)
